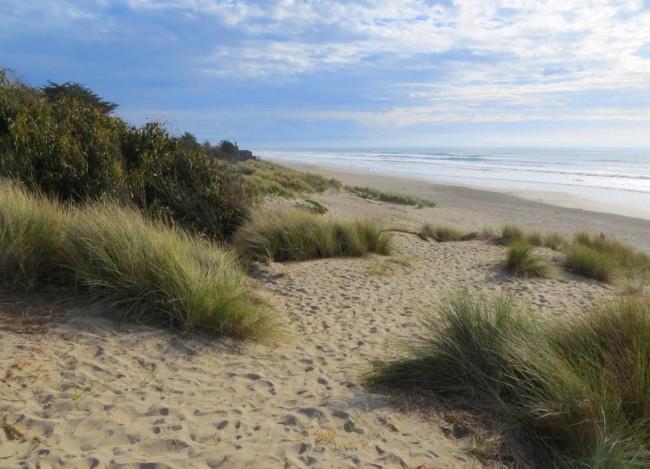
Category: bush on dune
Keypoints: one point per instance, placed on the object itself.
(146, 270)
(572, 394)
(296, 235)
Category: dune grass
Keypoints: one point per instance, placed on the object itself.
(511, 234)
(571, 394)
(521, 261)
(316, 207)
(605, 259)
(147, 271)
(297, 235)
(392, 197)
(152, 272)
(31, 236)
(444, 233)
(262, 178)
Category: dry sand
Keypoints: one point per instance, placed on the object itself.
(80, 390)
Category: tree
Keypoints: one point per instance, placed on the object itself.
(54, 92)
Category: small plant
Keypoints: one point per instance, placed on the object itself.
(522, 262)
(441, 233)
(554, 241)
(511, 234)
(392, 197)
(296, 235)
(316, 207)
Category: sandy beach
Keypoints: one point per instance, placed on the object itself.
(80, 390)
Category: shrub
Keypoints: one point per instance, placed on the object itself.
(296, 235)
(156, 273)
(64, 148)
(392, 197)
(31, 237)
(181, 186)
(571, 394)
(522, 262)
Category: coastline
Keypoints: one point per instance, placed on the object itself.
(474, 208)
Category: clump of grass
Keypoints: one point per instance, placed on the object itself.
(31, 236)
(444, 233)
(571, 394)
(605, 259)
(159, 274)
(535, 238)
(392, 197)
(315, 207)
(296, 235)
(511, 234)
(147, 271)
(554, 241)
(523, 262)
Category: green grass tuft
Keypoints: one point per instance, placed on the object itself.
(156, 273)
(296, 235)
(575, 393)
(522, 262)
(31, 237)
(511, 234)
(443, 233)
(147, 271)
(605, 259)
(392, 197)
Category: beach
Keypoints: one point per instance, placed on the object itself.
(80, 390)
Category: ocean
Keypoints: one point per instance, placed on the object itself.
(618, 177)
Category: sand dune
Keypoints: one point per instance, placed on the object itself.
(80, 390)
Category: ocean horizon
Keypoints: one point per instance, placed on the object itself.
(618, 177)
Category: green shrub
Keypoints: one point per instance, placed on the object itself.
(522, 262)
(296, 235)
(392, 197)
(31, 237)
(572, 394)
(181, 186)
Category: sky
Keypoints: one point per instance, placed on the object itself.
(309, 73)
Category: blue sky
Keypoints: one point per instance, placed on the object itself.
(352, 73)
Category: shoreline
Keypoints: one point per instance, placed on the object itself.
(476, 208)
(558, 199)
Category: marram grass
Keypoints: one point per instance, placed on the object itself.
(297, 235)
(572, 394)
(147, 271)
(522, 261)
